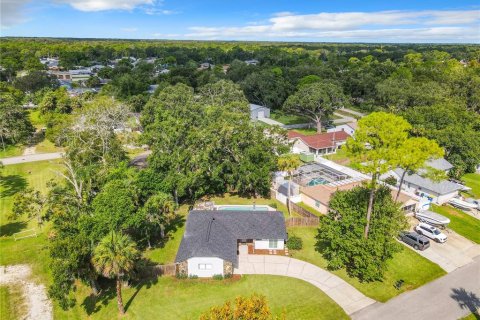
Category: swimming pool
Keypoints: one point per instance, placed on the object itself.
(244, 208)
(316, 182)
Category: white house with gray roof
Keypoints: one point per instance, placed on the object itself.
(210, 243)
(436, 192)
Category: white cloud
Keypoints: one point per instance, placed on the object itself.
(400, 26)
(12, 12)
(157, 11)
(101, 5)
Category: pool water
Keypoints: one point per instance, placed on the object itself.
(243, 208)
(316, 182)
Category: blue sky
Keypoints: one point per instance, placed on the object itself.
(306, 20)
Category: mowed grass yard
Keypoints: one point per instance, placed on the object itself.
(170, 298)
(288, 119)
(460, 222)
(472, 180)
(406, 265)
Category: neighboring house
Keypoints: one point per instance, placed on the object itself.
(258, 112)
(152, 88)
(319, 143)
(72, 75)
(210, 243)
(252, 62)
(437, 192)
(439, 164)
(206, 65)
(318, 197)
(347, 127)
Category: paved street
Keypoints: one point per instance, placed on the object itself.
(346, 296)
(449, 298)
(31, 158)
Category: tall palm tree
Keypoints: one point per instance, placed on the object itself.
(289, 163)
(114, 257)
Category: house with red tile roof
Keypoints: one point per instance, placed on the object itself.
(318, 143)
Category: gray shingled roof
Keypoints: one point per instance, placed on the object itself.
(439, 164)
(442, 187)
(214, 233)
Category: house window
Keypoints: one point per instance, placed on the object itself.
(317, 204)
(204, 266)
(272, 244)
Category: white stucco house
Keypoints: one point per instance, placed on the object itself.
(319, 143)
(212, 237)
(346, 127)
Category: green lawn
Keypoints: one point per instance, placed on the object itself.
(169, 298)
(307, 131)
(16, 178)
(460, 222)
(46, 146)
(339, 157)
(11, 303)
(11, 151)
(472, 180)
(288, 119)
(407, 265)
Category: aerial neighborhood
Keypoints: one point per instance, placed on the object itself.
(192, 179)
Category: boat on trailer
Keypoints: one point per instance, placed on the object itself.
(464, 205)
(432, 218)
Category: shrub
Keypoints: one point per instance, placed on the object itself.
(193, 276)
(217, 277)
(181, 276)
(294, 243)
(253, 307)
(228, 276)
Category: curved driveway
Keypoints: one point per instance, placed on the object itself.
(346, 296)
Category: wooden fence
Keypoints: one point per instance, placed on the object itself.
(302, 222)
(160, 270)
(302, 211)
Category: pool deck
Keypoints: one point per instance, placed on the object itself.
(244, 207)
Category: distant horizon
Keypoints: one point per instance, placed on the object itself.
(345, 21)
(243, 41)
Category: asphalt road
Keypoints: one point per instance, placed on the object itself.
(31, 158)
(451, 297)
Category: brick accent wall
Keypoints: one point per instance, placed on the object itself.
(227, 267)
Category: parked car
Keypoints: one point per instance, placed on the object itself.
(417, 241)
(431, 232)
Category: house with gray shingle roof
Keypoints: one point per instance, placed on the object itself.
(210, 243)
(439, 164)
(438, 192)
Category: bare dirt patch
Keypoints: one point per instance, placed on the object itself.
(38, 305)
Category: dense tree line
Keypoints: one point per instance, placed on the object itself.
(411, 80)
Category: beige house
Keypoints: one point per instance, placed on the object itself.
(318, 197)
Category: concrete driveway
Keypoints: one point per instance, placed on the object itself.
(346, 296)
(455, 253)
